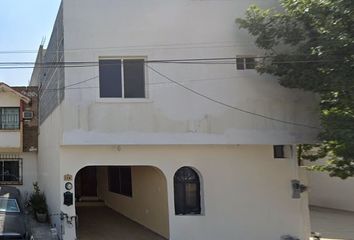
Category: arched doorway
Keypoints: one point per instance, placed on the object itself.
(86, 184)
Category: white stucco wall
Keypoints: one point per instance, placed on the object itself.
(247, 194)
(182, 29)
(304, 179)
(49, 164)
(331, 192)
(10, 139)
(29, 171)
(148, 204)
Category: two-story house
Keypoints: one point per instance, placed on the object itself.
(154, 110)
(18, 137)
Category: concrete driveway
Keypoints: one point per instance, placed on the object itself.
(103, 223)
(332, 224)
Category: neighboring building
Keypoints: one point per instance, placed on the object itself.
(331, 192)
(184, 164)
(18, 137)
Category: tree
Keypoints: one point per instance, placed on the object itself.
(309, 44)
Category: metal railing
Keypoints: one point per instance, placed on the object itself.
(9, 121)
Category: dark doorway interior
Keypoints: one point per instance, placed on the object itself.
(86, 183)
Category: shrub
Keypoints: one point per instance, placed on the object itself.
(37, 200)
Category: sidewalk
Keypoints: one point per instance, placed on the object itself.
(40, 231)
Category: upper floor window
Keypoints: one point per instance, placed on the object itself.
(122, 78)
(243, 63)
(278, 151)
(282, 151)
(9, 118)
(187, 192)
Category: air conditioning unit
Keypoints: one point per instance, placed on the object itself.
(27, 115)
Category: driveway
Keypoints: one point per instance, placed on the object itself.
(332, 224)
(104, 223)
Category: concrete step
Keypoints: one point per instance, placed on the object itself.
(90, 204)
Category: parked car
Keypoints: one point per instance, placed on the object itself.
(12, 219)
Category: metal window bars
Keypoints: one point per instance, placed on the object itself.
(9, 121)
(11, 169)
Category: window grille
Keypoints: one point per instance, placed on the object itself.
(9, 118)
(11, 169)
(187, 192)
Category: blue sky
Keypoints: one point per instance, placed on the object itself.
(23, 24)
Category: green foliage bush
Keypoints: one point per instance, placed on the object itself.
(37, 200)
(309, 45)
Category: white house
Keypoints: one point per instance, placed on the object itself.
(143, 108)
(18, 137)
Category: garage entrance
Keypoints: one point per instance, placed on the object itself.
(121, 202)
(86, 184)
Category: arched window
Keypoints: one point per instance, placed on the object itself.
(187, 191)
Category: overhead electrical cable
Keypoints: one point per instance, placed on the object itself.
(207, 61)
(230, 106)
(171, 81)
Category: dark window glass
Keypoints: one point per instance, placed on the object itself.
(187, 192)
(114, 179)
(1, 170)
(10, 171)
(134, 78)
(126, 181)
(120, 180)
(250, 63)
(243, 63)
(9, 118)
(278, 151)
(110, 78)
(240, 63)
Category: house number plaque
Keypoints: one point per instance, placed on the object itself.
(68, 177)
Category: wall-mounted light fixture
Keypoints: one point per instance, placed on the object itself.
(298, 188)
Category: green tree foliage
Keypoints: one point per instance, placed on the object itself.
(309, 44)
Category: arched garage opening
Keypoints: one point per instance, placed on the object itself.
(121, 202)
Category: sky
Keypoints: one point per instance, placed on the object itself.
(23, 25)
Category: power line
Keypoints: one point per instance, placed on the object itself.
(147, 61)
(183, 60)
(214, 44)
(206, 61)
(229, 106)
(153, 83)
(171, 81)
(83, 81)
(69, 87)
